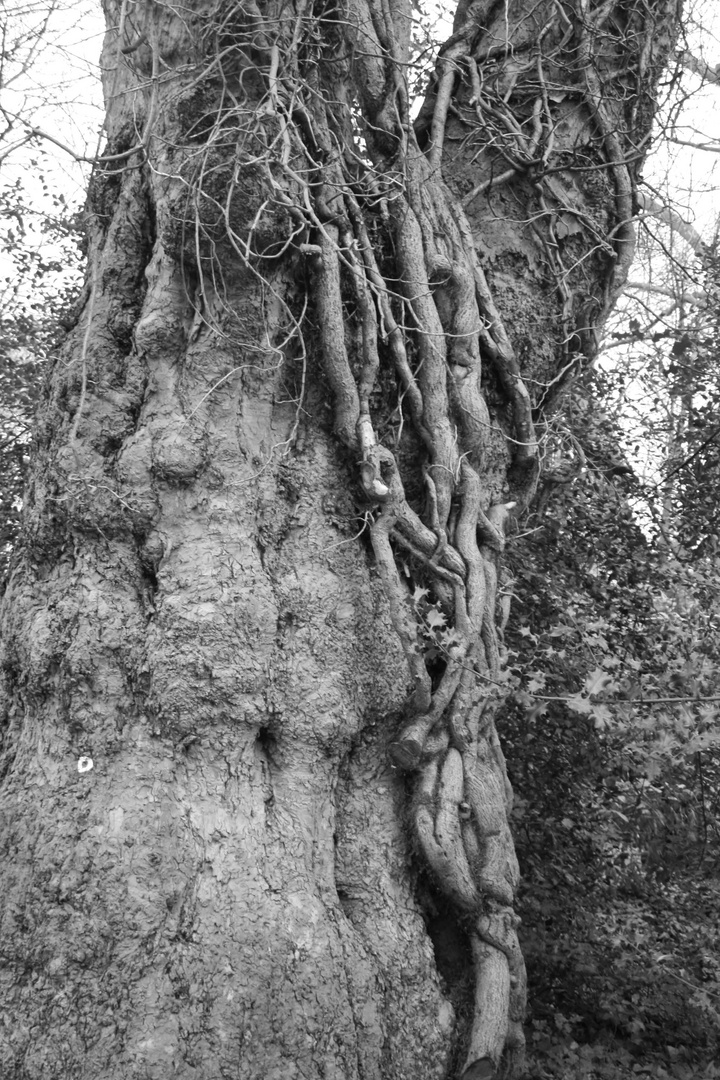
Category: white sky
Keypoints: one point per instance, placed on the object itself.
(60, 90)
(692, 175)
(49, 81)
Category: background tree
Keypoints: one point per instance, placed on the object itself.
(47, 90)
(265, 526)
(37, 294)
(611, 738)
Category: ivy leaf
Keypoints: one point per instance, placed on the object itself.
(579, 704)
(447, 639)
(435, 619)
(537, 681)
(597, 681)
(566, 225)
(601, 716)
(538, 710)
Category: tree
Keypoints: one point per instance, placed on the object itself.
(39, 288)
(43, 84)
(254, 805)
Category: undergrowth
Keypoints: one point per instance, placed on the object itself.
(612, 748)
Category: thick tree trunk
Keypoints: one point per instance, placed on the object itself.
(254, 811)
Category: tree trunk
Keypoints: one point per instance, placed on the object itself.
(254, 810)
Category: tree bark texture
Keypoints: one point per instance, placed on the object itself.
(254, 810)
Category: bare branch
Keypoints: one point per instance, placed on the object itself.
(654, 208)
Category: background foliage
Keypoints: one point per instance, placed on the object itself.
(614, 750)
(38, 289)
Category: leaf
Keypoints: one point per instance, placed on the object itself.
(579, 704)
(435, 619)
(597, 681)
(601, 717)
(566, 224)
(538, 710)
(448, 639)
(537, 681)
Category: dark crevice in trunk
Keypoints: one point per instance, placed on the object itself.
(453, 960)
(150, 580)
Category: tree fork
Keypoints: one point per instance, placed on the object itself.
(238, 893)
